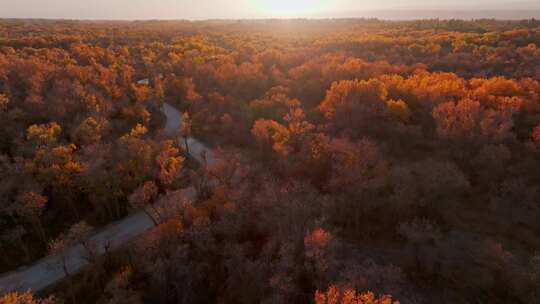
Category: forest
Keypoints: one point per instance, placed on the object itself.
(357, 160)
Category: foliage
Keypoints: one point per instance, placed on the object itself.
(356, 157)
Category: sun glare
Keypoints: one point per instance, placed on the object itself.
(290, 8)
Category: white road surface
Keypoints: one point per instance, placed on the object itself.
(49, 270)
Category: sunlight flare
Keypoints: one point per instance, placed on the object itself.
(288, 8)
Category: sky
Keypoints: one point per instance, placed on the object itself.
(239, 9)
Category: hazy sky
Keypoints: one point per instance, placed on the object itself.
(207, 9)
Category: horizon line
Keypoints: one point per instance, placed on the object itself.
(483, 14)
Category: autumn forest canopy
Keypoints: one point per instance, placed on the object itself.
(356, 160)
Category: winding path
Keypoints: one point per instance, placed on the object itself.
(49, 270)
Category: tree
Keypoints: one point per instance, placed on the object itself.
(44, 134)
(119, 288)
(399, 110)
(180, 90)
(135, 158)
(16, 234)
(536, 135)
(170, 163)
(458, 119)
(25, 298)
(355, 104)
(275, 104)
(299, 128)
(345, 295)
(284, 140)
(186, 129)
(421, 234)
(228, 169)
(59, 246)
(319, 260)
(31, 206)
(428, 183)
(469, 120)
(355, 166)
(78, 234)
(491, 163)
(143, 198)
(58, 169)
(91, 130)
(4, 102)
(271, 133)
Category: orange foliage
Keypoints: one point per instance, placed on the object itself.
(335, 295)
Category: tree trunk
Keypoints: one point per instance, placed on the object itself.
(186, 145)
(156, 223)
(24, 249)
(74, 209)
(40, 230)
